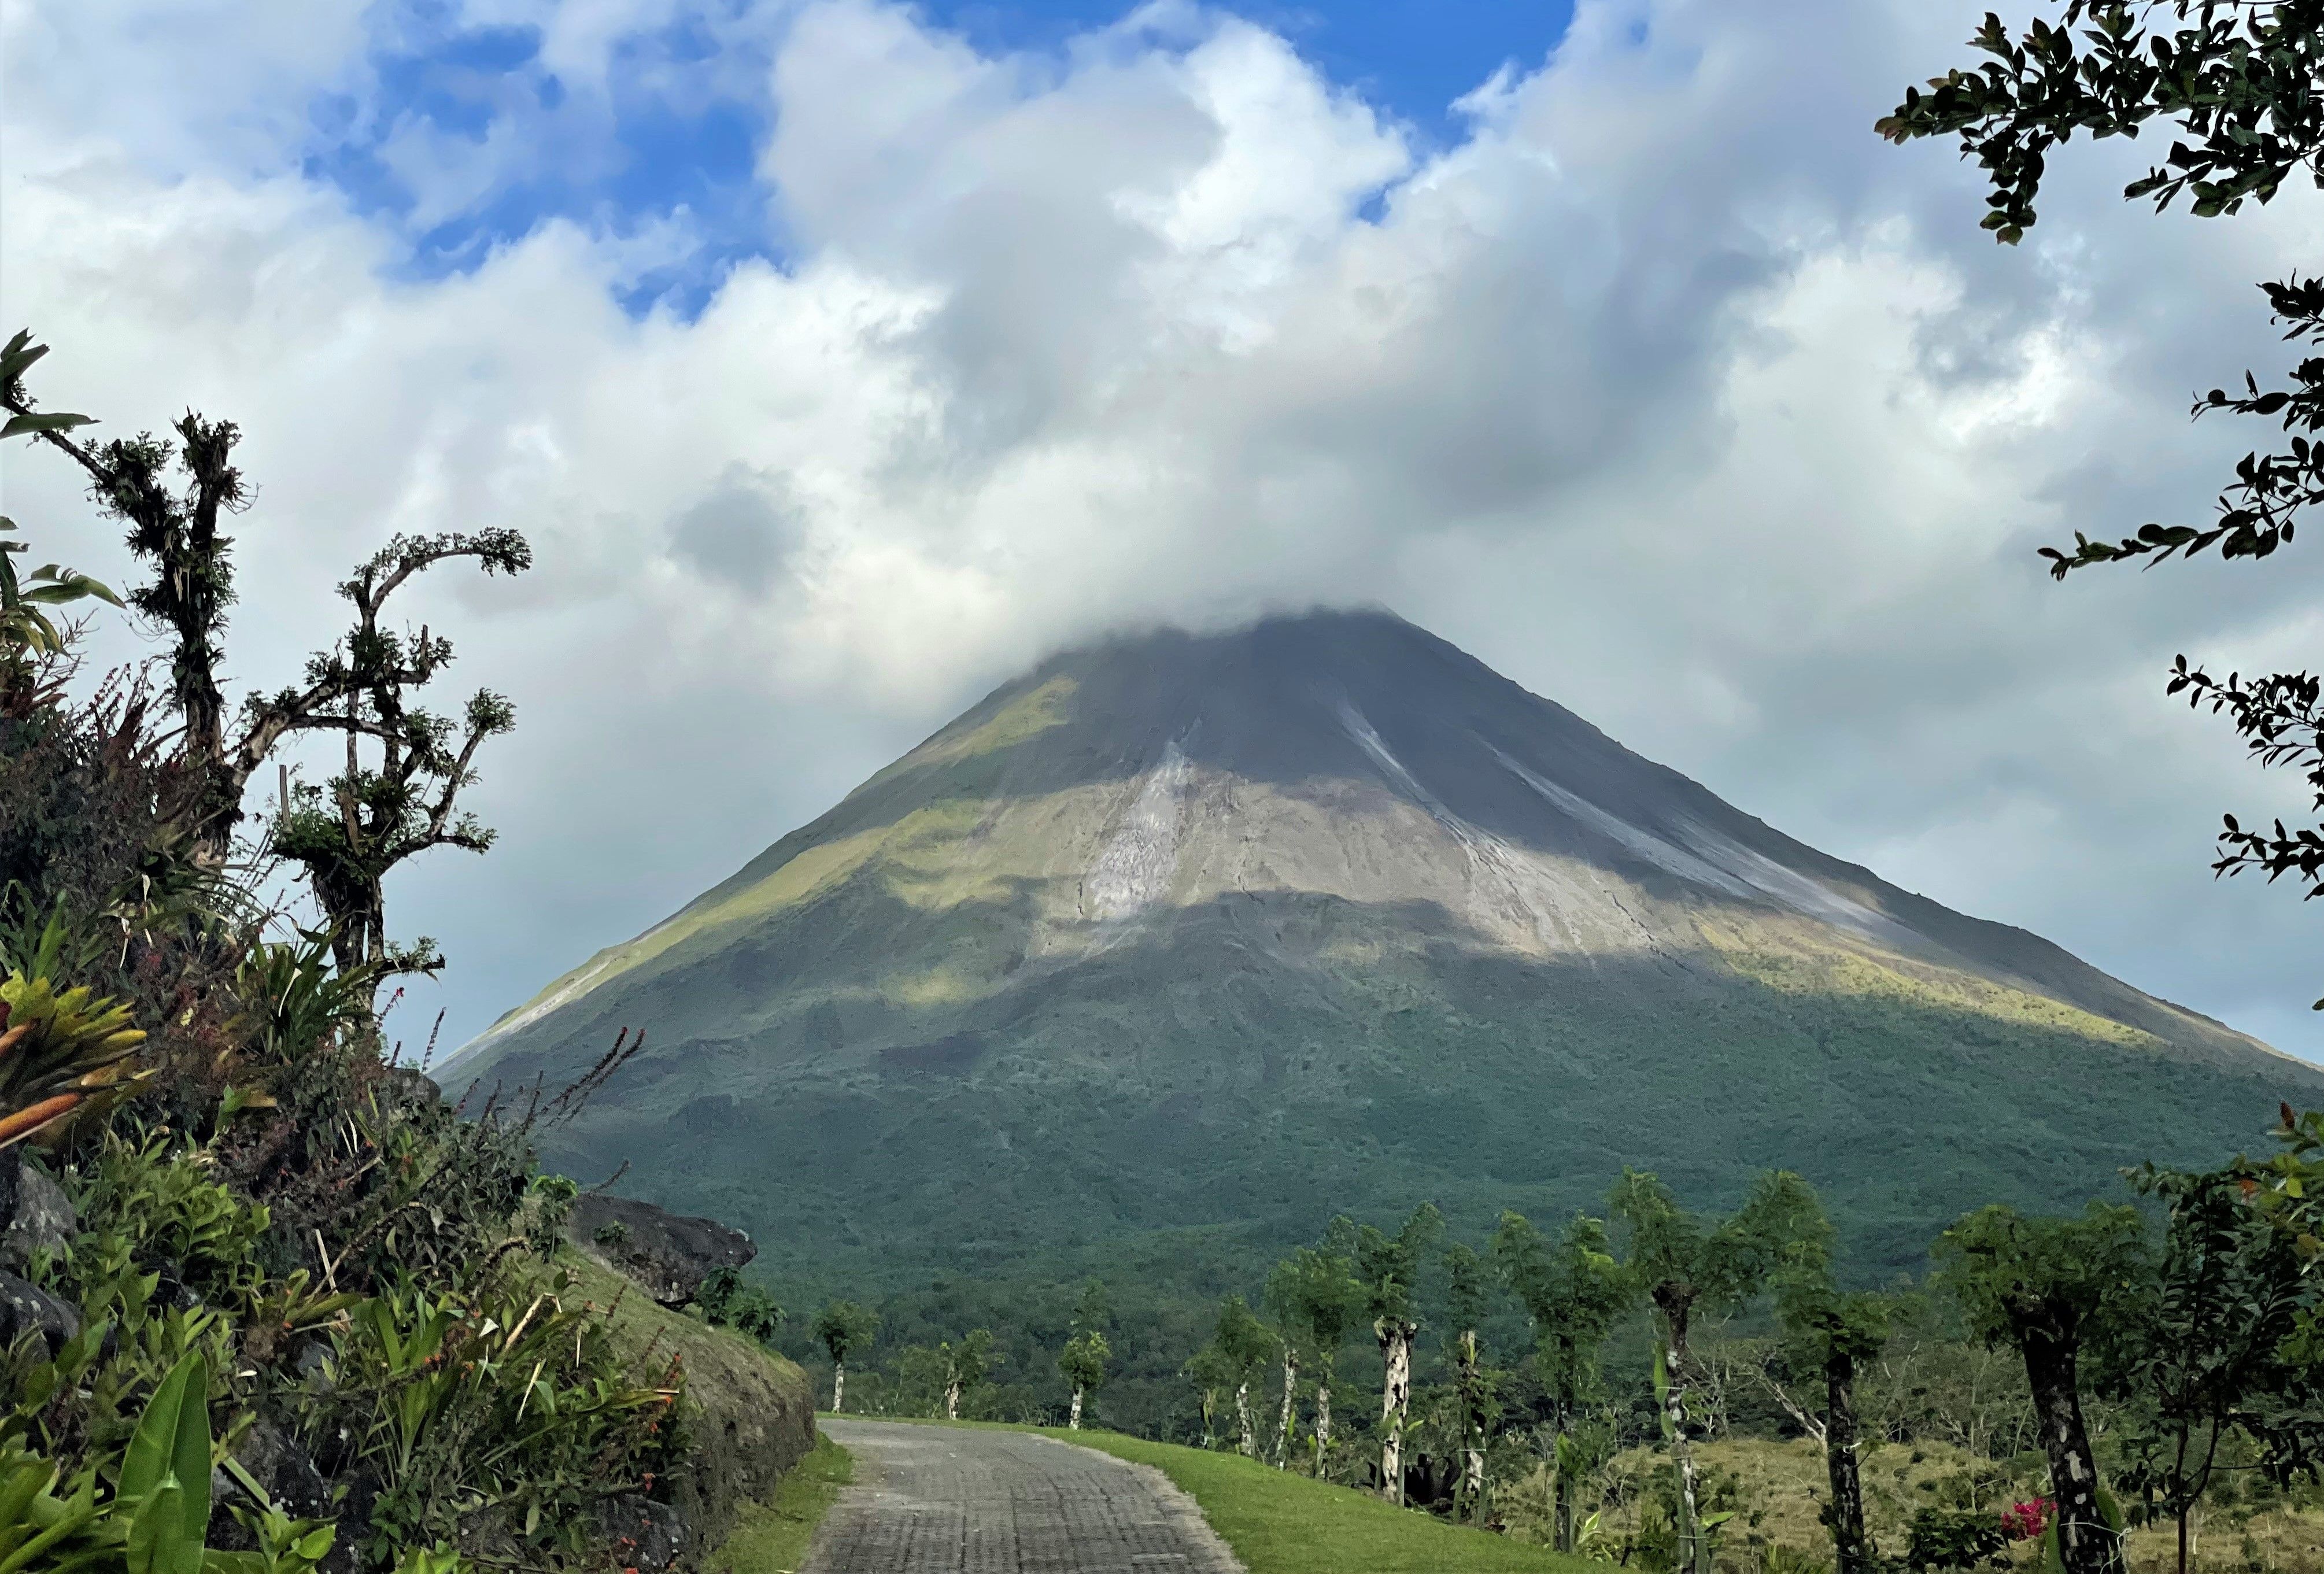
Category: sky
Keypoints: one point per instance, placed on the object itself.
(842, 358)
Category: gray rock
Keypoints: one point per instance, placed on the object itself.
(669, 1254)
(647, 1536)
(281, 1465)
(25, 1307)
(313, 1364)
(414, 1086)
(488, 1536)
(43, 1220)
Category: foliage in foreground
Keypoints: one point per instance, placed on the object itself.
(288, 1260)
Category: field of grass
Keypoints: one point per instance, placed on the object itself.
(1281, 1523)
(1779, 1491)
(772, 1538)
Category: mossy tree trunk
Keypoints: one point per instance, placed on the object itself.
(1290, 1391)
(1396, 1404)
(1852, 1546)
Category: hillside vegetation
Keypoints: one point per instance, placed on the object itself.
(267, 1303)
(1172, 948)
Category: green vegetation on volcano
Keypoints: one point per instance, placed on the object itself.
(1174, 947)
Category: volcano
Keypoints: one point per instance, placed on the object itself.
(1182, 943)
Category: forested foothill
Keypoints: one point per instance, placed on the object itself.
(267, 1302)
(2140, 1385)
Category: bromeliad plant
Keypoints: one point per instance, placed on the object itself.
(60, 1051)
(156, 1519)
(505, 1401)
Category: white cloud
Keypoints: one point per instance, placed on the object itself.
(1670, 390)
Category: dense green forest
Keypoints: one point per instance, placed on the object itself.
(1673, 1389)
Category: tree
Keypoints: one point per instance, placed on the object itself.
(1083, 1361)
(2045, 1287)
(1687, 1267)
(374, 816)
(26, 633)
(2241, 84)
(964, 1366)
(731, 1301)
(1467, 1302)
(842, 1326)
(377, 813)
(1388, 1267)
(1244, 1348)
(1209, 1370)
(1315, 1299)
(1085, 1354)
(2212, 1346)
(1574, 1294)
(1283, 1298)
(1836, 1333)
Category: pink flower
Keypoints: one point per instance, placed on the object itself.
(2022, 1522)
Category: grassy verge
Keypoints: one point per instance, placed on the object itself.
(1281, 1523)
(771, 1537)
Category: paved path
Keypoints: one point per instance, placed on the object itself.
(955, 1500)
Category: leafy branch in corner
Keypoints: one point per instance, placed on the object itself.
(2243, 85)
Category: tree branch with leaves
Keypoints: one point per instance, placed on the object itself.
(2241, 85)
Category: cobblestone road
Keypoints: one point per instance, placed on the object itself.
(947, 1500)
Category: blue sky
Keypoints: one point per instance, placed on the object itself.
(675, 128)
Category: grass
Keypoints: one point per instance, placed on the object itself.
(1281, 1523)
(771, 1537)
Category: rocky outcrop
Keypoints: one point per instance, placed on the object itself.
(669, 1254)
(650, 1537)
(25, 1307)
(750, 1414)
(272, 1456)
(42, 1222)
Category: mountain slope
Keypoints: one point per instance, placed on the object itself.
(1223, 934)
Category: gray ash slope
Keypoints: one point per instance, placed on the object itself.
(1183, 942)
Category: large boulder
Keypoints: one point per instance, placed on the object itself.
(669, 1254)
(43, 1220)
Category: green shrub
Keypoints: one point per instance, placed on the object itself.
(1946, 1538)
(503, 1399)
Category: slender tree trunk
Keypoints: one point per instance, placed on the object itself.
(952, 1399)
(838, 1387)
(1242, 1420)
(1694, 1548)
(1290, 1388)
(1472, 1432)
(2182, 1501)
(1851, 1548)
(1396, 1404)
(1074, 1421)
(2087, 1543)
(1322, 1418)
(1561, 1486)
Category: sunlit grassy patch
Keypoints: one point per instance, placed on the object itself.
(772, 1538)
